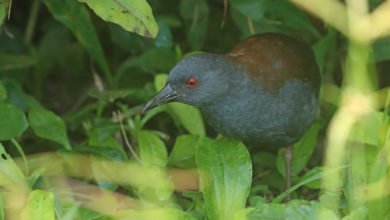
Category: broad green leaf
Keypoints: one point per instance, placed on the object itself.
(12, 121)
(225, 173)
(134, 16)
(31, 102)
(74, 16)
(275, 13)
(303, 150)
(14, 61)
(189, 116)
(152, 149)
(196, 16)
(15, 94)
(3, 92)
(295, 209)
(48, 125)
(40, 205)
(183, 152)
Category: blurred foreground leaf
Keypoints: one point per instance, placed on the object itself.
(48, 125)
(13, 61)
(74, 16)
(370, 129)
(134, 16)
(189, 116)
(12, 121)
(10, 174)
(13, 185)
(40, 205)
(296, 209)
(226, 173)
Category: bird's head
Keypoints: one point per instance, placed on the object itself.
(196, 80)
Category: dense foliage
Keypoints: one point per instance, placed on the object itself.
(75, 75)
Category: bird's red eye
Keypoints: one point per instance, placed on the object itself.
(191, 82)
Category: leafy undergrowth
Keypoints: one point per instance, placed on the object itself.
(75, 75)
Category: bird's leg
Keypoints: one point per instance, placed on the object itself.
(288, 157)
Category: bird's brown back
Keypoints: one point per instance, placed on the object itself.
(274, 59)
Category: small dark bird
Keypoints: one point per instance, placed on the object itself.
(263, 92)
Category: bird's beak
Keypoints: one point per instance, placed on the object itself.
(167, 94)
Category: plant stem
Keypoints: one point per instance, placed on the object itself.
(21, 152)
(32, 21)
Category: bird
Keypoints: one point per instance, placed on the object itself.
(263, 92)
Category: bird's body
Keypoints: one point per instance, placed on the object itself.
(263, 92)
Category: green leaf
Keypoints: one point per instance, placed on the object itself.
(183, 152)
(74, 16)
(315, 184)
(151, 61)
(15, 94)
(189, 116)
(275, 13)
(12, 121)
(295, 209)
(225, 172)
(152, 150)
(40, 205)
(14, 61)
(134, 16)
(196, 16)
(3, 92)
(104, 128)
(164, 37)
(49, 126)
(101, 141)
(11, 177)
(302, 150)
(324, 47)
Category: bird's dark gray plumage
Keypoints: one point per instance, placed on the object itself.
(263, 92)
